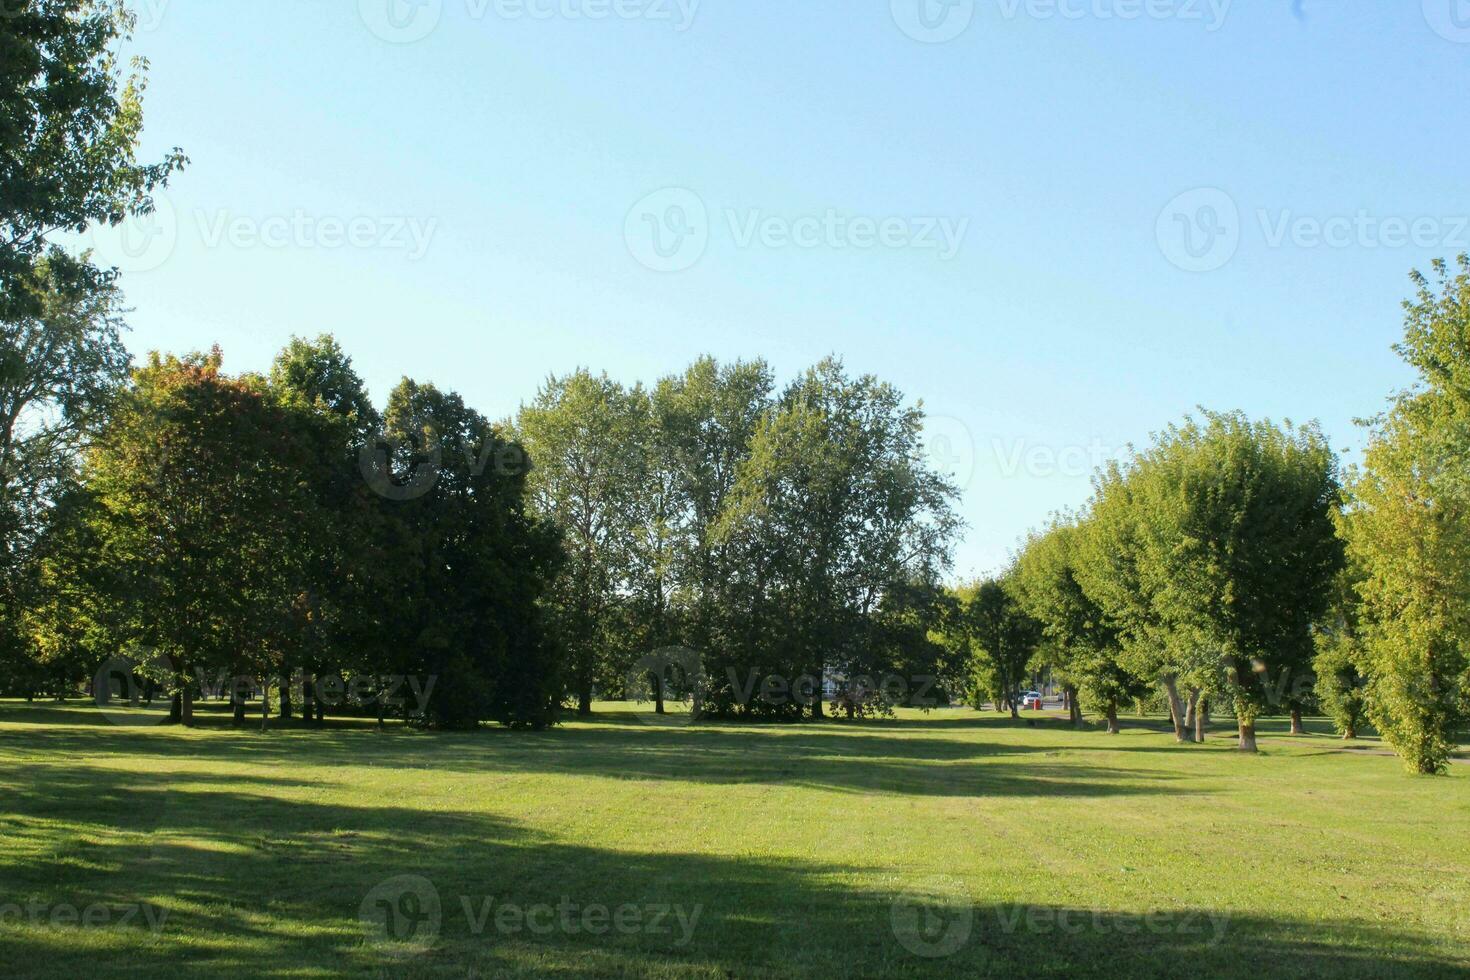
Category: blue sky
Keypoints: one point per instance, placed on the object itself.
(1060, 225)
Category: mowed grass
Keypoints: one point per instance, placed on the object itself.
(788, 850)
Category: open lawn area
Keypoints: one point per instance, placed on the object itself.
(947, 844)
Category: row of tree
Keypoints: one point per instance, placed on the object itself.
(796, 535)
(242, 534)
(228, 533)
(1229, 564)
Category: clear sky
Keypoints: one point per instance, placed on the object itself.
(1060, 224)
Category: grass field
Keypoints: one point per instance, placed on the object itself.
(949, 844)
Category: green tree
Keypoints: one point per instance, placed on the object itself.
(703, 421)
(59, 371)
(833, 508)
(190, 503)
(1340, 665)
(1081, 641)
(587, 437)
(464, 604)
(345, 554)
(68, 143)
(997, 637)
(1408, 530)
(1215, 551)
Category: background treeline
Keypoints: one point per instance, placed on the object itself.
(227, 534)
(796, 535)
(1229, 565)
(263, 536)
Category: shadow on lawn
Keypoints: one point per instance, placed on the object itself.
(265, 885)
(838, 757)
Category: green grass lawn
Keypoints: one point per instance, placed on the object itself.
(948, 844)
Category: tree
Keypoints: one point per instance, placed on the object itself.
(464, 602)
(996, 635)
(190, 502)
(703, 421)
(1216, 551)
(832, 508)
(1081, 641)
(68, 141)
(1408, 530)
(346, 554)
(588, 442)
(1340, 665)
(59, 371)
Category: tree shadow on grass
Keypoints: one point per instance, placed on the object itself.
(260, 884)
(841, 758)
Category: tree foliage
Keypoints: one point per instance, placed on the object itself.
(1409, 531)
(70, 118)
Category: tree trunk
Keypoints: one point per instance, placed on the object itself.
(1190, 707)
(1074, 710)
(1351, 731)
(265, 702)
(308, 697)
(1176, 710)
(1296, 722)
(658, 692)
(1247, 736)
(176, 709)
(321, 711)
(1201, 719)
(186, 707)
(584, 700)
(286, 708)
(1113, 728)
